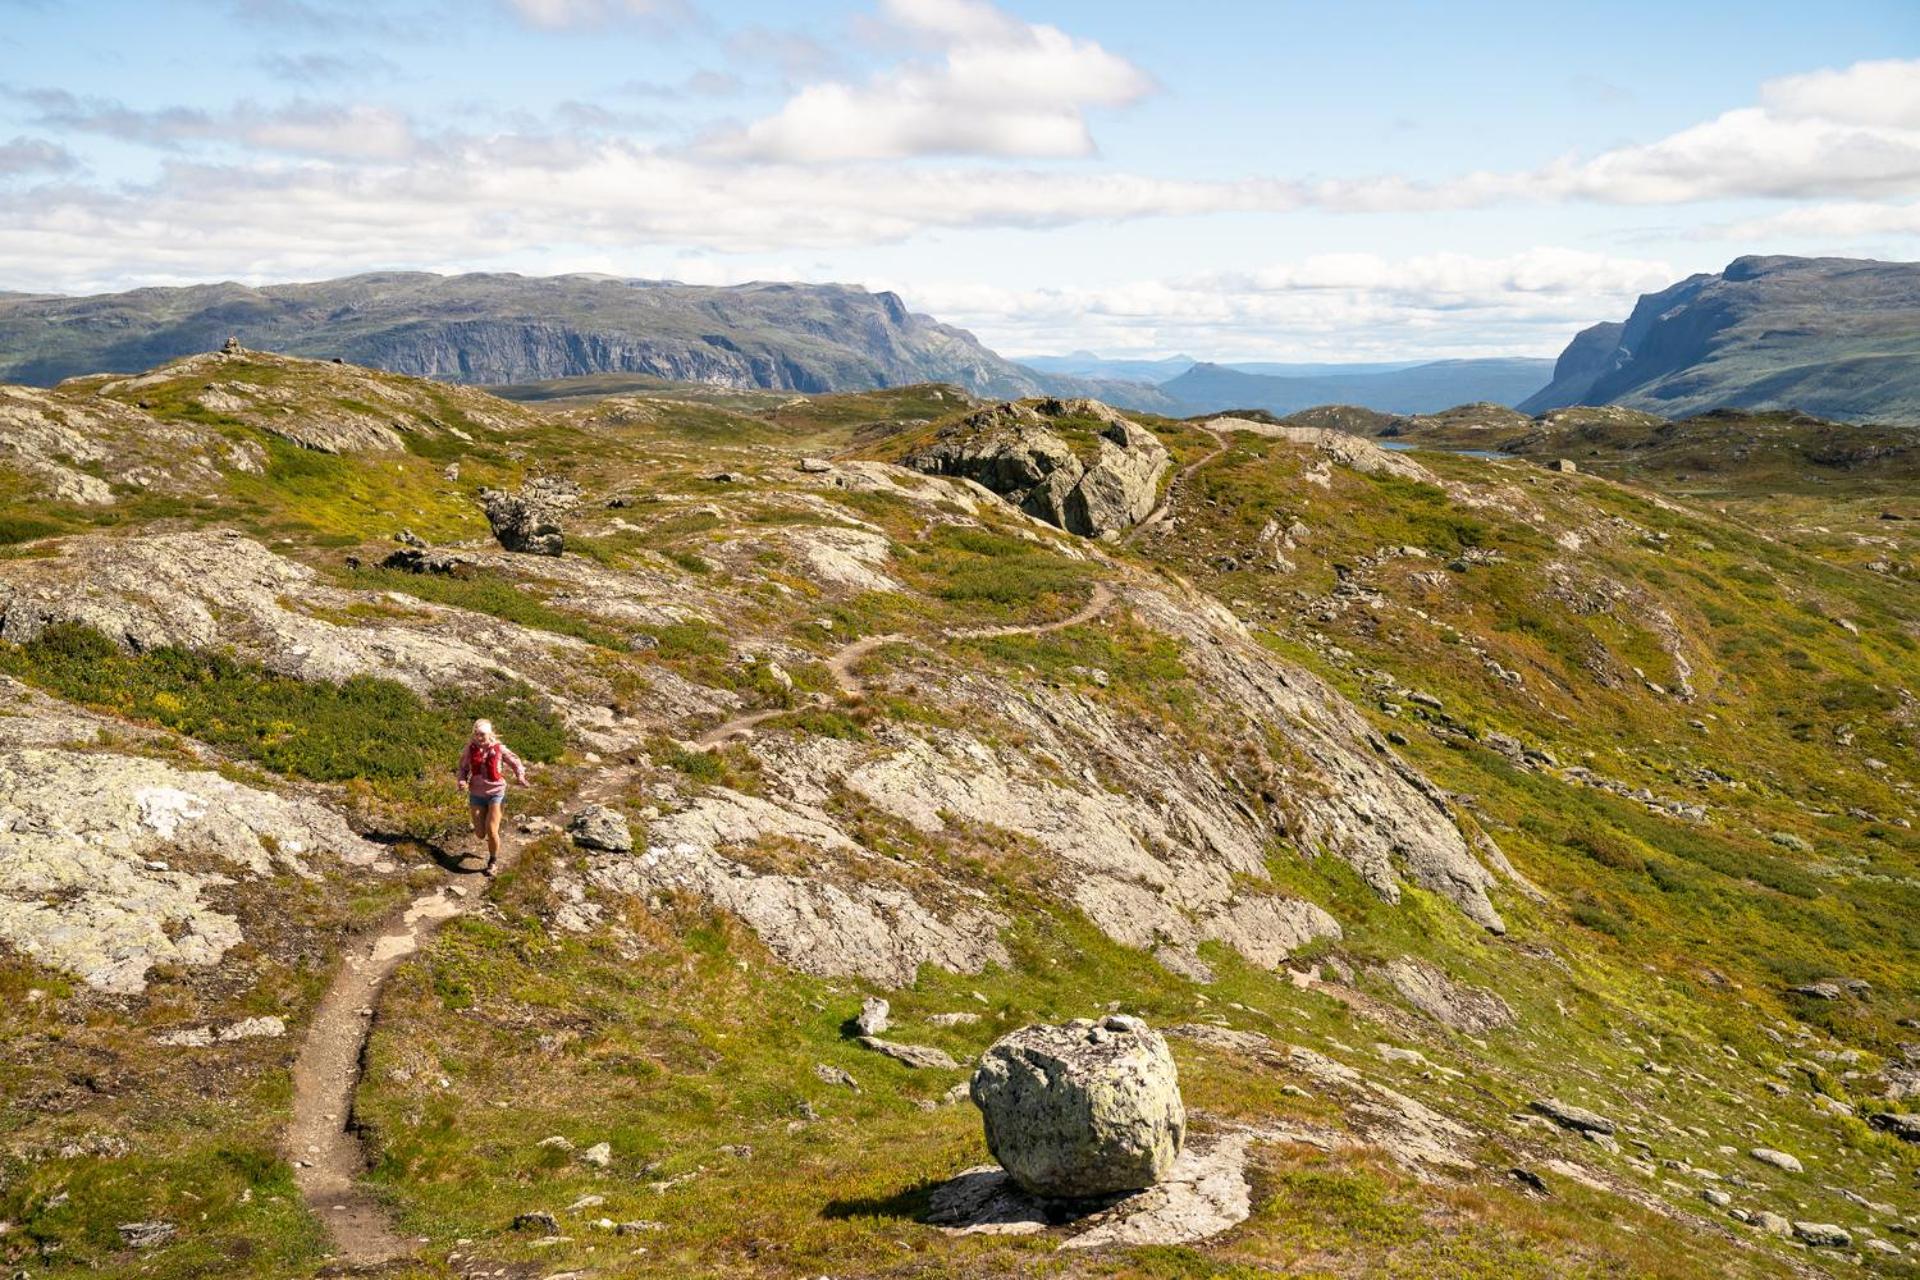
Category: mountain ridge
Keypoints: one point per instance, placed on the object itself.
(1835, 337)
(503, 327)
(1422, 388)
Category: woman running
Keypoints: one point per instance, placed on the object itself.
(483, 768)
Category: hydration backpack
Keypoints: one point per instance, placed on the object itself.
(484, 761)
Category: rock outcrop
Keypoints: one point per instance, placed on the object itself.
(873, 931)
(75, 448)
(317, 404)
(1077, 464)
(1083, 1109)
(529, 521)
(1464, 1008)
(87, 842)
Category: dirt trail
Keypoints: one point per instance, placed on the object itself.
(325, 1151)
(1159, 513)
(841, 664)
(321, 1140)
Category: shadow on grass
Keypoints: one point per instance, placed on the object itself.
(910, 1204)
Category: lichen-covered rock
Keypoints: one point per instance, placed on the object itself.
(1023, 452)
(1568, 1116)
(1822, 1235)
(872, 931)
(1470, 1009)
(598, 827)
(1778, 1159)
(61, 443)
(86, 845)
(1082, 1109)
(529, 521)
(321, 405)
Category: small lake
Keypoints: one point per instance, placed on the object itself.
(1402, 446)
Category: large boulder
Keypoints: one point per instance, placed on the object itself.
(529, 521)
(1076, 464)
(1084, 1109)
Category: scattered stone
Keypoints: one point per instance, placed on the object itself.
(638, 1227)
(1082, 1109)
(952, 1019)
(1715, 1197)
(555, 1143)
(1822, 1235)
(537, 1220)
(1900, 1125)
(1772, 1223)
(875, 1016)
(1529, 1179)
(913, 1055)
(427, 560)
(601, 828)
(599, 1155)
(1568, 1116)
(814, 466)
(1563, 464)
(146, 1235)
(1778, 1159)
(835, 1075)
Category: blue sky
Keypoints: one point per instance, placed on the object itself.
(1271, 180)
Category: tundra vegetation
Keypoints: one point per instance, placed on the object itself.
(1661, 741)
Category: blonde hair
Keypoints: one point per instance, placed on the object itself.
(483, 729)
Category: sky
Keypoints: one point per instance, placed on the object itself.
(1229, 179)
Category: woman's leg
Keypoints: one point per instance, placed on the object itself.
(477, 814)
(493, 830)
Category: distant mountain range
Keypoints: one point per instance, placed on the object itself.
(1836, 337)
(1833, 336)
(501, 328)
(1420, 388)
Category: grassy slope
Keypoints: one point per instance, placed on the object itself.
(674, 1035)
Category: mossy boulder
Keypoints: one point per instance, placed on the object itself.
(1083, 1109)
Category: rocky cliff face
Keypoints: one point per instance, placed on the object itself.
(506, 328)
(1837, 337)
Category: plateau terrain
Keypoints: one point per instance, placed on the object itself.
(1513, 854)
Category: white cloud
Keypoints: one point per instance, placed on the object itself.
(1323, 307)
(35, 155)
(1884, 92)
(1840, 221)
(999, 87)
(560, 14)
(301, 128)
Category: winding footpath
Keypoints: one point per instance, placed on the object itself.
(322, 1139)
(1174, 486)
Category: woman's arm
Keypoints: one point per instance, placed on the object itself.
(513, 762)
(462, 771)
